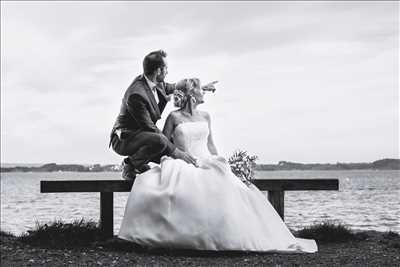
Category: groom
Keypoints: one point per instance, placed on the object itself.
(135, 133)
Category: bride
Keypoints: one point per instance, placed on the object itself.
(202, 207)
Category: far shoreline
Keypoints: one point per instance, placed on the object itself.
(383, 164)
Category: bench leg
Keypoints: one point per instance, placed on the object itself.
(106, 214)
(277, 199)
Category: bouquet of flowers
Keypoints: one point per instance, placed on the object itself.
(242, 165)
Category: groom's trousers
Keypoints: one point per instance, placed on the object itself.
(142, 147)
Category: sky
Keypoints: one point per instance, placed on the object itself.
(298, 81)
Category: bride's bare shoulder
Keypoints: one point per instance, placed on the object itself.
(175, 117)
(171, 118)
(174, 114)
(205, 115)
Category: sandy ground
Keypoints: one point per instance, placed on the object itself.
(374, 250)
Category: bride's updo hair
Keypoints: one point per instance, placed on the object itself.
(184, 91)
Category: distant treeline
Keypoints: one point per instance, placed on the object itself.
(384, 164)
(53, 167)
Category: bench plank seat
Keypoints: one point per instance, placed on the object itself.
(63, 186)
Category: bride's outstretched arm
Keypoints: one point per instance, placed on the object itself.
(210, 142)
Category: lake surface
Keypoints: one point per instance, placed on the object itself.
(367, 200)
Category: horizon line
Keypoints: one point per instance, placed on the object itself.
(89, 164)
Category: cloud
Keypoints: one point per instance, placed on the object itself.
(291, 75)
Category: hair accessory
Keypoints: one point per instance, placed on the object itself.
(178, 98)
(193, 99)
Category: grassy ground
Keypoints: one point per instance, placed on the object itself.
(80, 244)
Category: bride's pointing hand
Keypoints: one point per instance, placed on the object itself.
(209, 87)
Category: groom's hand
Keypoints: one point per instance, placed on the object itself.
(179, 154)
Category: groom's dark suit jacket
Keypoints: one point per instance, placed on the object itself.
(139, 110)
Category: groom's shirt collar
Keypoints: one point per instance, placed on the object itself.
(152, 86)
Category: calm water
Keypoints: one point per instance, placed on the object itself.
(366, 200)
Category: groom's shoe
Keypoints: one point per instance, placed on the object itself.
(129, 172)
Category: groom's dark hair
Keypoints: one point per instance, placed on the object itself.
(153, 61)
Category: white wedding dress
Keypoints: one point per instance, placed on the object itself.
(176, 205)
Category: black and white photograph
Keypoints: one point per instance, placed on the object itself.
(200, 133)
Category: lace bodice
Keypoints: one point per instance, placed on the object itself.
(192, 137)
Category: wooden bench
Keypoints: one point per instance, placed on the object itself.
(276, 192)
